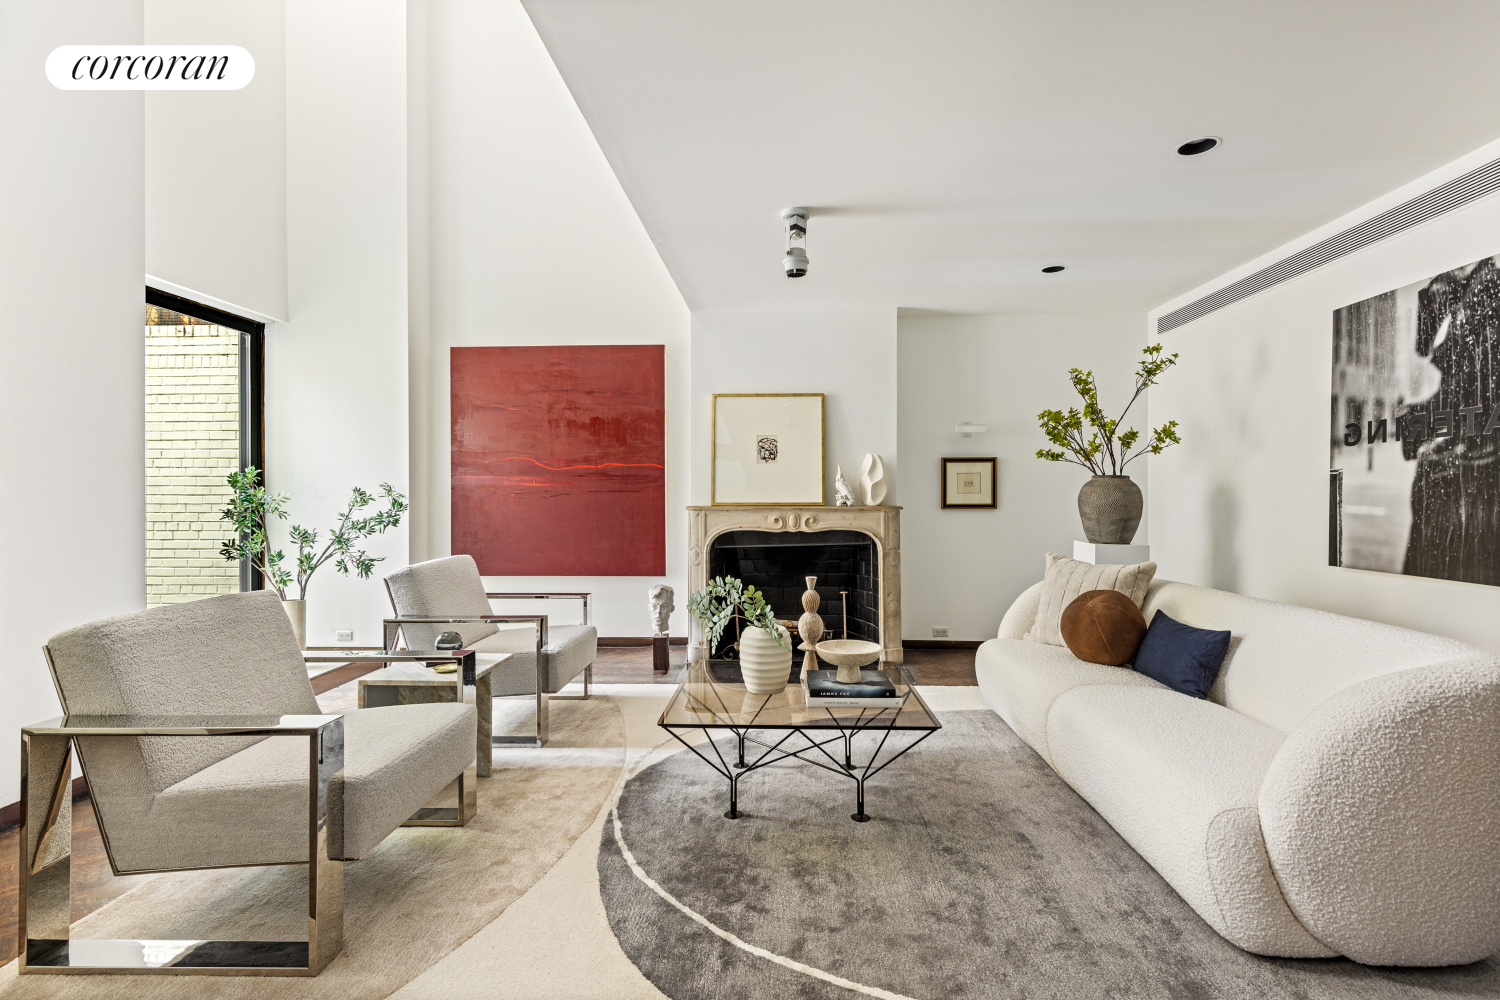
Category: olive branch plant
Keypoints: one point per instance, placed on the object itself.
(715, 604)
(252, 507)
(1102, 453)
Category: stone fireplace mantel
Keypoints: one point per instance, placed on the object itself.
(883, 524)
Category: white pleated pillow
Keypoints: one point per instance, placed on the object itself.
(1067, 578)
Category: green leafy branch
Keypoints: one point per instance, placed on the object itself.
(714, 606)
(251, 508)
(1098, 449)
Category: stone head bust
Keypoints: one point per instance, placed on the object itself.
(661, 607)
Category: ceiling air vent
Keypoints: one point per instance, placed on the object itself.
(1455, 194)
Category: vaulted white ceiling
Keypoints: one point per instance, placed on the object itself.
(950, 149)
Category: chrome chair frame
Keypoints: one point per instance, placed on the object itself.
(45, 897)
(391, 627)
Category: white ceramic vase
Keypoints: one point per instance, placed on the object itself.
(872, 480)
(764, 664)
(296, 612)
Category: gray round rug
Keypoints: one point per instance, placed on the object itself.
(982, 875)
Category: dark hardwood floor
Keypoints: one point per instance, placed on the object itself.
(94, 884)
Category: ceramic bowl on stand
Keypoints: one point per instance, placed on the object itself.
(849, 655)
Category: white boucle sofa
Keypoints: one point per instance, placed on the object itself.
(1337, 794)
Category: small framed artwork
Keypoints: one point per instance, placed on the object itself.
(767, 448)
(969, 482)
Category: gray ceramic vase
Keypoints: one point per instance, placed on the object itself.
(1110, 507)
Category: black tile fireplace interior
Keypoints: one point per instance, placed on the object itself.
(777, 563)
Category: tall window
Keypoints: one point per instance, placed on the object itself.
(203, 421)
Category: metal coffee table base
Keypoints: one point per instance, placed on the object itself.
(775, 752)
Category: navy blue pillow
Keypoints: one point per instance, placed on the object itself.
(1183, 658)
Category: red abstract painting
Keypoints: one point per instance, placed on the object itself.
(559, 460)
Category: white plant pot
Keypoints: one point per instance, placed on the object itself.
(296, 612)
(764, 664)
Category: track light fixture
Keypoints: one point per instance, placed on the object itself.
(795, 262)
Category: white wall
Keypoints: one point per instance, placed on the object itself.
(288, 199)
(216, 160)
(72, 460)
(962, 568)
(336, 379)
(1243, 504)
(529, 240)
(848, 354)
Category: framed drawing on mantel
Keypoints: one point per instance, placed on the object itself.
(969, 482)
(767, 448)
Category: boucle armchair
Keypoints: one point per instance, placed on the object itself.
(429, 597)
(204, 747)
(1338, 793)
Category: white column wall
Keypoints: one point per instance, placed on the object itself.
(216, 160)
(963, 568)
(1242, 505)
(72, 460)
(529, 240)
(336, 374)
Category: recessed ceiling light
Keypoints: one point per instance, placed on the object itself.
(1195, 146)
(1053, 269)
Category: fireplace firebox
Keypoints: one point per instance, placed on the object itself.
(777, 563)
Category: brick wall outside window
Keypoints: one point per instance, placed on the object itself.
(192, 445)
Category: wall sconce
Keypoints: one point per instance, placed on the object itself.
(968, 430)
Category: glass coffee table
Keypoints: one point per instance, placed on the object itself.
(712, 697)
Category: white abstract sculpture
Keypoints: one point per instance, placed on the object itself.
(661, 607)
(842, 495)
(872, 480)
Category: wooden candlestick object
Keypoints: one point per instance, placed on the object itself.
(810, 626)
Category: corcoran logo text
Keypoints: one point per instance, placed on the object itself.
(150, 67)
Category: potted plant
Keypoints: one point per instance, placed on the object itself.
(1110, 503)
(250, 509)
(765, 645)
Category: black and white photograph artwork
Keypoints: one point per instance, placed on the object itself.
(1414, 486)
(767, 448)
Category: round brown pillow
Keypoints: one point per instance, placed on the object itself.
(1103, 626)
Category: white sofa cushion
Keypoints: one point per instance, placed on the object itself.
(1067, 578)
(1382, 817)
(1285, 660)
(1021, 613)
(1179, 779)
(1020, 680)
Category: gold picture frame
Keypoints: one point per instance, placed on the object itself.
(767, 448)
(970, 484)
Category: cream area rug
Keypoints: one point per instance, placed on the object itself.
(417, 897)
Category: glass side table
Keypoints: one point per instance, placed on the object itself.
(712, 697)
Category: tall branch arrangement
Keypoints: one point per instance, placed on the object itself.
(1102, 453)
(714, 606)
(252, 508)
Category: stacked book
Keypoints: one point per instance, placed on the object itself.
(874, 690)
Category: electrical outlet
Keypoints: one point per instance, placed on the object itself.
(347, 635)
(940, 631)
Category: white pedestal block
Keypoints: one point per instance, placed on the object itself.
(1111, 555)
